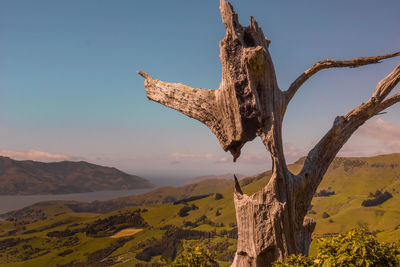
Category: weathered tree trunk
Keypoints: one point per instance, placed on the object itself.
(272, 223)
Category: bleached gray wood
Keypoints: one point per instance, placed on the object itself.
(272, 223)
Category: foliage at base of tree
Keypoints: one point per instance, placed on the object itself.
(195, 257)
(355, 248)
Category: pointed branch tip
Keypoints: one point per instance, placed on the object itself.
(229, 16)
(237, 186)
(144, 74)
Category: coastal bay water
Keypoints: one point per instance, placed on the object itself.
(14, 202)
(9, 203)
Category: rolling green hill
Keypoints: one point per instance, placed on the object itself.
(209, 221)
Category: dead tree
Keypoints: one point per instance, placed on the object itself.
(272, 223)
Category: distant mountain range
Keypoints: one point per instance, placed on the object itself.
(31, 177)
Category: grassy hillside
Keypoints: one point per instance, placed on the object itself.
(353, 179)
(209, 221)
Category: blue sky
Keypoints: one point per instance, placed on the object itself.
(69, 88)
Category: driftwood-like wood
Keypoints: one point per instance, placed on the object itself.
(272, 223)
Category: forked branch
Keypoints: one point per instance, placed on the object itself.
(330, 63)
(320, 157)
(386, 85)
(390, 101)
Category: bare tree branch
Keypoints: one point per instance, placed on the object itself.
(390, 101)
(386, 85)
(320, 157)
(330, 63)
(193, 102)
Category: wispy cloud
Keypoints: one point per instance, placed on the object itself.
(33, 155)
(224, 160)
(247, 158)
(254, 158)
(353, 150)
(381, 130)
(385, 139)
(177, 156)
(292, 152)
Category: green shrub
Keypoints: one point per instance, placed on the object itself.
(295, 261)
(195, 257)
(325, 215)
(354, 248)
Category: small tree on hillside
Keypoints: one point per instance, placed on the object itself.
(272, 223)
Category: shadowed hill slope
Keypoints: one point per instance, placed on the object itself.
(31, 177)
